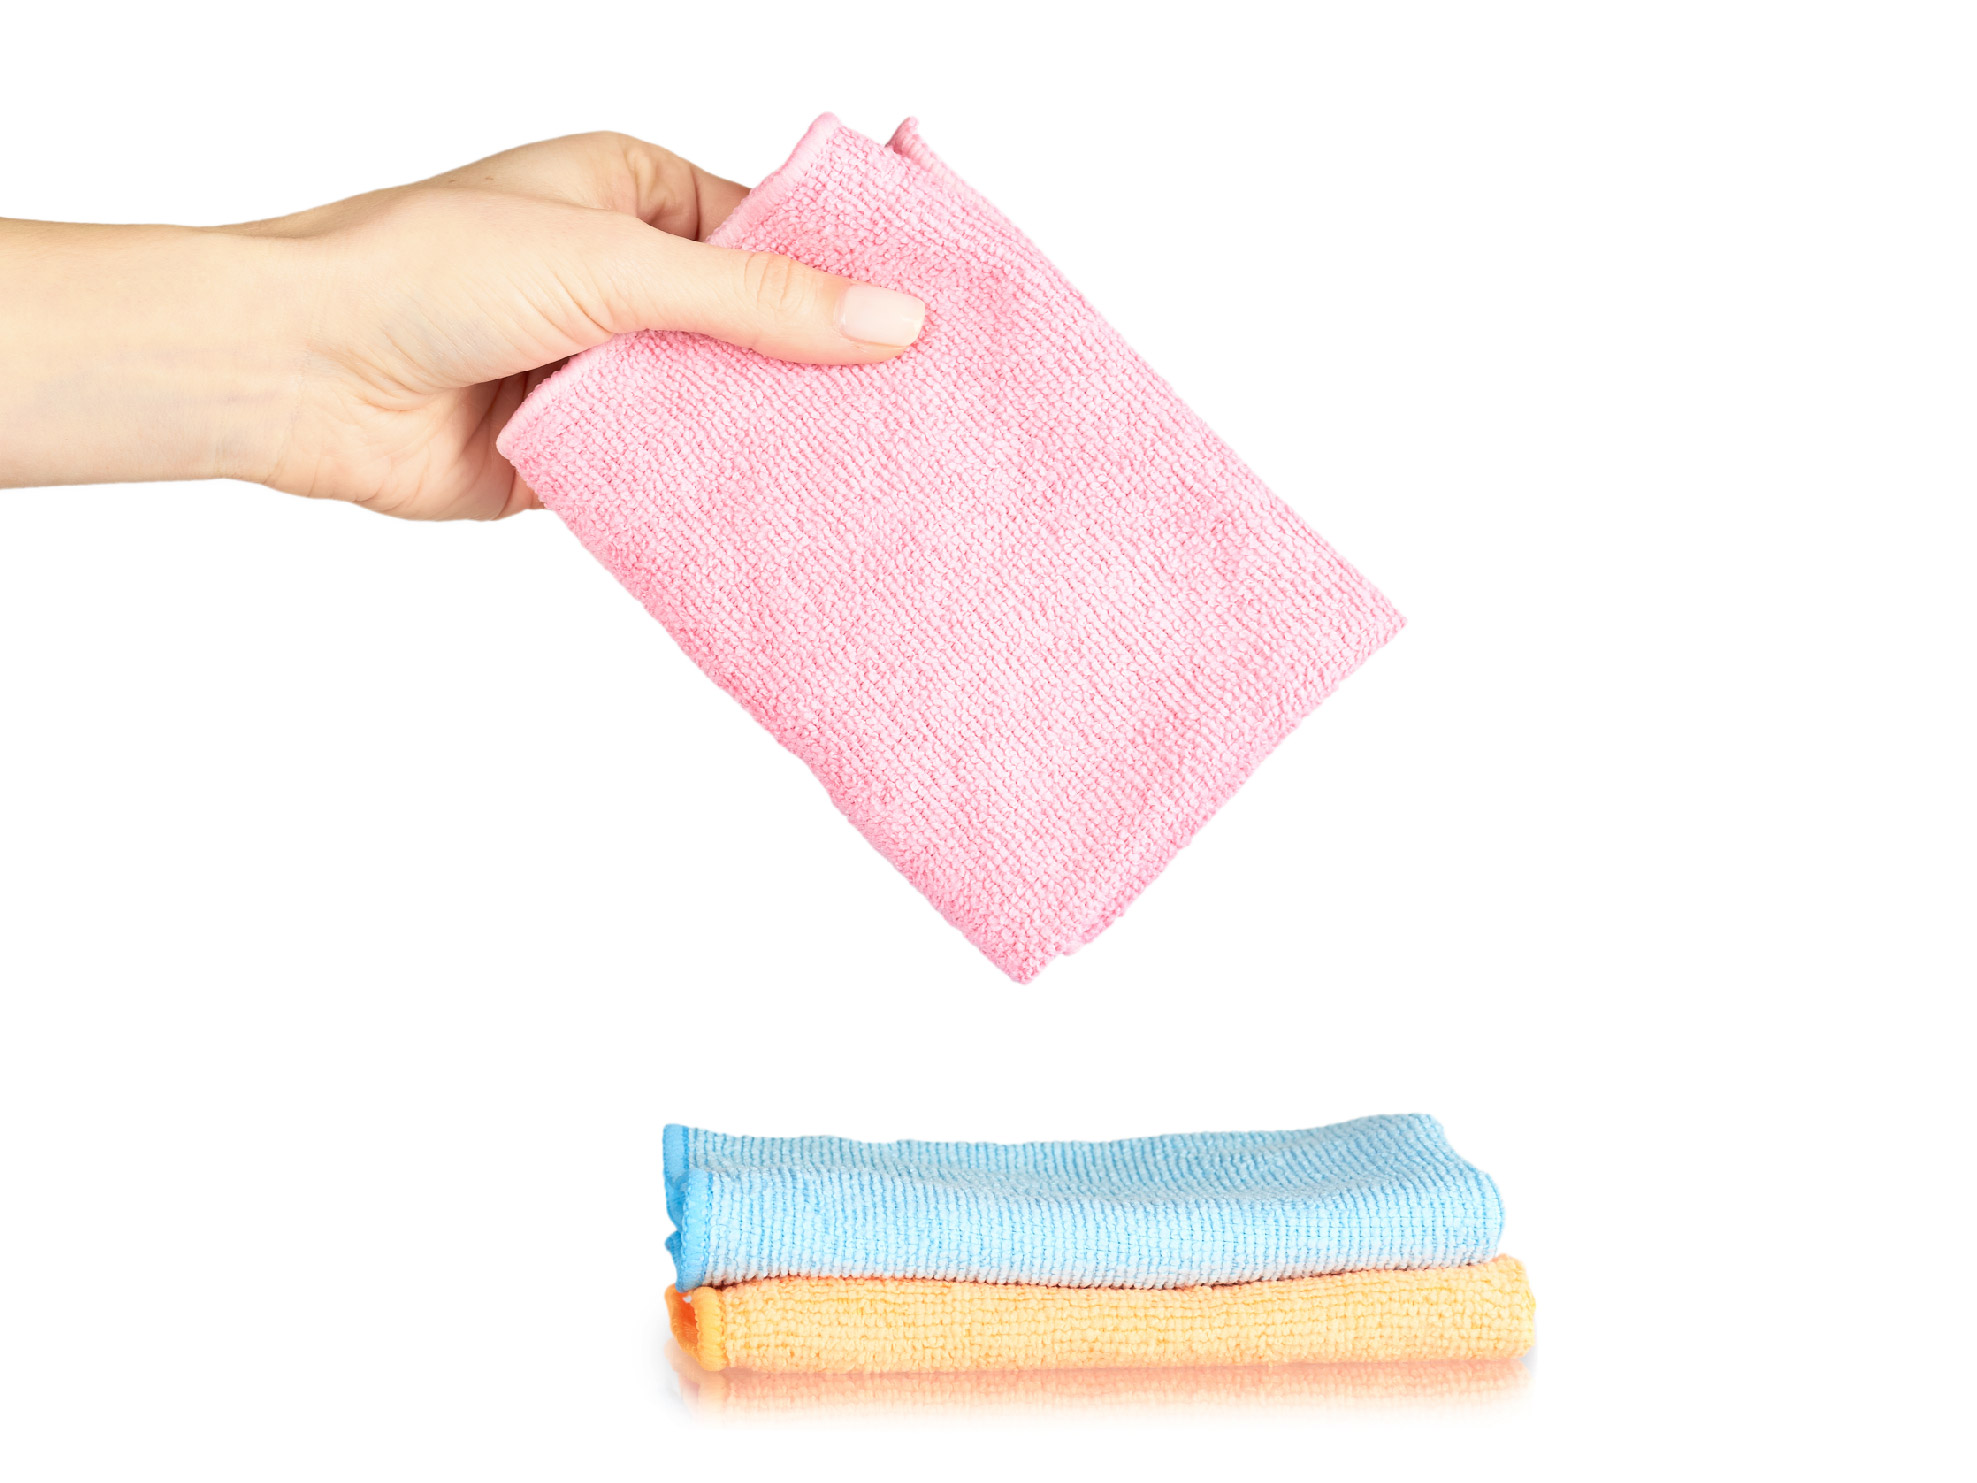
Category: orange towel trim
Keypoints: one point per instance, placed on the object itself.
(834, 1325)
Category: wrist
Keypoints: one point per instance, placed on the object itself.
(140, 353)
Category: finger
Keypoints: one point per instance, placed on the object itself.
(761, 302)
(717, 201)
(611, 172)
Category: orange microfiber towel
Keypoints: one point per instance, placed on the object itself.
(838, 1324)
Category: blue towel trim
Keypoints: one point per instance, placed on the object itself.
(687, 1202)
(1170, 1211)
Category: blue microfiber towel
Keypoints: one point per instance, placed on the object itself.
(1171, 1211)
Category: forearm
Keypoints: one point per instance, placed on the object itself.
(144, 352)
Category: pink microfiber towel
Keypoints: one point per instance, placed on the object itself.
(1027, 619)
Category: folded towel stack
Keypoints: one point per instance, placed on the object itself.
(1365, 1241)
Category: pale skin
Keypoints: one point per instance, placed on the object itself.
(371, 350)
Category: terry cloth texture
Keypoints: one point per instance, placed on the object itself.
(831, 1324)
(1171, 1211)
(737, 1393)
(1024, 616)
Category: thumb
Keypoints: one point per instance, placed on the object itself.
(763, 302)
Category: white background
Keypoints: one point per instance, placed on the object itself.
(371, 894)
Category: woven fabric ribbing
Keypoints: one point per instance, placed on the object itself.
(1169, 1211)
(831, 1324)
(1028, 620)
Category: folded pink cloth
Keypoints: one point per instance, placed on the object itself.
(1027, 619)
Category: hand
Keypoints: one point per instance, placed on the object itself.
(371, 350)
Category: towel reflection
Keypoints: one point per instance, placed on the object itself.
(1426, 1384)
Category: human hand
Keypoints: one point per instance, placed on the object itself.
(371, 350)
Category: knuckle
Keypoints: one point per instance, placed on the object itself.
(775, 285)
